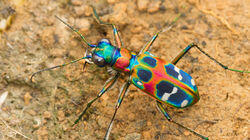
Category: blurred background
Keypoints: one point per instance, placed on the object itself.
(31, 38)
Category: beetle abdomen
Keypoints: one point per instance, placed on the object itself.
(164, 81)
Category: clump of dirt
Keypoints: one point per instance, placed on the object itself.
(47, 108)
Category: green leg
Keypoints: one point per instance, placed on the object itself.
(106, 87)
(164, 112)
(147, 47)
(183, 52)
(124, 89)
(149, 44)
(115, 32)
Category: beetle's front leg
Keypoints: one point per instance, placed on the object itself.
(115, 31)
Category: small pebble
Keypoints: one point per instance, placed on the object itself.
(42, 133)
(79, 10)
(3, 24)
(83, 24)
(46, 115)
(77, 2)
(120, 14)
(133, 136)
(32, 112)
(83, 10)
(48, 21)
(19, 2)
(142, 4)
(27, 98)
(74, 53)
(136, 42)
(137, 29)
(147, 135)
(131, 116)
(47, 37)
(3, 97)
(64, 127)
(57, 61)
(149, 123)
(57, 52)
(154, 6)
(87, 10)
(60, 115)
(184, 27)
(102, 121)
(186, 133)
(111, 1)
(204, 43)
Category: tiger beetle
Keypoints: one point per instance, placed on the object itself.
(161, 80)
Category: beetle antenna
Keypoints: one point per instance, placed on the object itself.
(58, 66)
(76, 31)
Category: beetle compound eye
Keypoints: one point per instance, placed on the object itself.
(98, 60)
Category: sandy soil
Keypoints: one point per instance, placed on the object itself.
(47, 108)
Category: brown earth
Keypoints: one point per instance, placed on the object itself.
(47, 108)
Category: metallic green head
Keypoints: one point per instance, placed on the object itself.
(103, 53)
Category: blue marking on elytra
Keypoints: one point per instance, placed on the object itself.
(164, 87)
(170, 70)
(178, 97)
(187, 80)
(144, 75)
(150, 61)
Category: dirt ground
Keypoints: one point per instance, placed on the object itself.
(47, 108)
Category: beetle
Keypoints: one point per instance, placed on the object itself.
(161, 80)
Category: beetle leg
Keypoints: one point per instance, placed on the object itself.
(106, 87)
(149, 44)
(115, 31)
(181, 54)
(124, 89)
(184, 51)
(147, 47)
(164, 112)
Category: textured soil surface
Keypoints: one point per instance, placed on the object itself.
(47, 108)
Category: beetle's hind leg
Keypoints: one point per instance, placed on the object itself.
(184, 51)
(164, 112)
